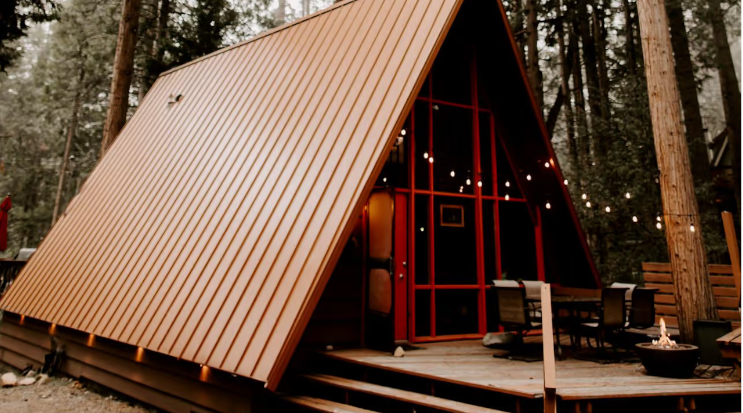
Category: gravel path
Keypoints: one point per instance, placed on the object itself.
(62, 395)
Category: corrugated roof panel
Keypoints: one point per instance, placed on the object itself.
(205, 230)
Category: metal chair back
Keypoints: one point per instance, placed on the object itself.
(642, 313)
(612, 303)
(512, 309)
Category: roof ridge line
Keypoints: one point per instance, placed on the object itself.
(259, 36)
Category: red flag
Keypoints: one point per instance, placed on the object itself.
(4, 208)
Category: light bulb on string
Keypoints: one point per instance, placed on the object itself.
(479, 184)
(528, 177)
(452, 173)
(659, 225)
(634, 218)
(691, 227)
(588, 204)
(548, 206)
(565, 182)
(508, 184)
(584, 196)
(546, 164)
(422, 229)
(425, 155)
(658, 218)
(507, 197)
(627, 195)
(469, 182)
(461, 189)
(430, 159)
(384, 179)
(608, 209)
(403, 132)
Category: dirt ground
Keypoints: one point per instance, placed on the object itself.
(63, 395)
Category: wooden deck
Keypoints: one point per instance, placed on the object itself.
(470, 364)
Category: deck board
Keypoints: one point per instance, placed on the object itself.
(469, 363)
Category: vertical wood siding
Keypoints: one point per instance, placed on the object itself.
(206, 230)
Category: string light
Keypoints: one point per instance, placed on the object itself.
(565, 182)
(430, 159)
(691, 227)
(422, 229)
(452, 173)
(658, 218)
(627, 195)
(384, 179)
(508, 184)
(403, 132)
(507, 197)
(425, 155)
(546, 164)
(461, 189)
(469, 182)
(479, 184)
(528, 177)
(634, 218)
(659, 226)
(608, 209)
(548, 206)
(588, 204)
(584, 196)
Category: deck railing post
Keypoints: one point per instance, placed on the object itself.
(550, 388)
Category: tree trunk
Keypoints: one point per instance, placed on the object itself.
(68, 144)
(281, 12)
(517, 27)
(162, 30)
(589, 58)
(566, 69)
(629, 36)
(700, 167)
(123, 72)
(599, 34)
(692, 288)
(532, 56)
(729, 88)
(583, 141)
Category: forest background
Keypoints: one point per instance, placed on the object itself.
(583, 59)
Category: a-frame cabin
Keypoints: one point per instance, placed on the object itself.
(353, 179)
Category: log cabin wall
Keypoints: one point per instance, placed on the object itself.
(156, 379)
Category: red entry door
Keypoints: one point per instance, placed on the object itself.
(400, 266)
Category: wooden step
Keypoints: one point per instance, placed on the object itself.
(417, 399)
(322, 405)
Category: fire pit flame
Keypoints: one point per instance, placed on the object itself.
(664, 340)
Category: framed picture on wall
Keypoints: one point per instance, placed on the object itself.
(451, 215)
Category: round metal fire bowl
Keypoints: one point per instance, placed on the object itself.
(678, 362)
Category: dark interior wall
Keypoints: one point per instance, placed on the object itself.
(566, 261)
(337, 317)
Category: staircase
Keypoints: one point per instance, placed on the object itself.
(340, 387)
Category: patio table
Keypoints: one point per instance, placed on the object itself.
(573, 305)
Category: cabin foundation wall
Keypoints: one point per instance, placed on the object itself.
(158, 380)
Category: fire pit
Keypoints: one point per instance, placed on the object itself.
(663, 357)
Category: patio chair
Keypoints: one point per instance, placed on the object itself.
(611, 317)
(629, 287)
(514, 312)
(706, 333)
(642, 310)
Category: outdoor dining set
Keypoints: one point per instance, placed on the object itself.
(598, 315)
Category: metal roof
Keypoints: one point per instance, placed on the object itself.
(209, 229)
